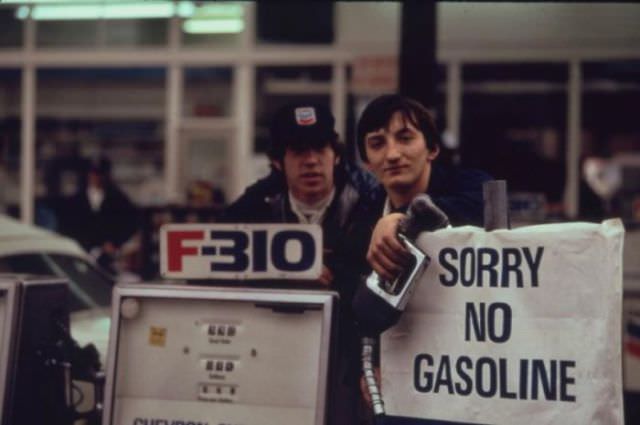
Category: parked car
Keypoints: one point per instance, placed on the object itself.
(33, 250)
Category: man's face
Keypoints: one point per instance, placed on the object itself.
(399, 157)
(309, 173)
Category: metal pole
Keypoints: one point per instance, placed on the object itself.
(572, 188)
(242, 146)
(339, 97)
(172, 135)
(496, 205)
(28, 125)
(28, 154)
(173, 117)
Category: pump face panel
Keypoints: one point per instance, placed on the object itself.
(218, 356)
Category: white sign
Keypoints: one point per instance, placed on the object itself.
(241, 251)
(512, 327)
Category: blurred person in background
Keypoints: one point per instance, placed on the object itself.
(204, 194)
(100, 216)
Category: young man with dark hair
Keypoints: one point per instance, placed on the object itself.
(399, 143)
(310, 183)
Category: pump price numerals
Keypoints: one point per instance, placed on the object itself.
(253, 251)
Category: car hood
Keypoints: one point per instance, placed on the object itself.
(17, 237)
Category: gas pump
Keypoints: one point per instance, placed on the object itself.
(39, 361)
(224, 352)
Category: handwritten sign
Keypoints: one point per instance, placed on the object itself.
(518, 326)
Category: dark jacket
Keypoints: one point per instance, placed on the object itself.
(115, 221)
(267, 201)
(458, 192)
(253, 206)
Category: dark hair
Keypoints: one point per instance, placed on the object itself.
(378, 113)
(279, 147)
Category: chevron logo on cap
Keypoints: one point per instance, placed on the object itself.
(306, 116)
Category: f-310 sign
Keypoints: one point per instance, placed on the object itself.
(241, 251)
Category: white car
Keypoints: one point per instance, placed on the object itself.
(33, 250)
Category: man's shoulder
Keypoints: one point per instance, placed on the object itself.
(351, 204)
(271, 184)
(458, 192)
(447, 178)
(362, 191)
(463, 173)
(256, 203)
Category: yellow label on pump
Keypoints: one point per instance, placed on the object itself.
(157, 336)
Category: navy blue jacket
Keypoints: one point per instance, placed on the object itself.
(457, 191)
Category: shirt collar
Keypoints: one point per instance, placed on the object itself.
(311, 214)
(388, 208)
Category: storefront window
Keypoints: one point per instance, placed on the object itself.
(295, 22)
(90, 24)
(135, 32)
(514, 120)
(206, 135)
(102, 33)
(92, 113)
(611, 140)
(67, 33)
(207, 93)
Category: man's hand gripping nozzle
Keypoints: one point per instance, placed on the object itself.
(379, 303)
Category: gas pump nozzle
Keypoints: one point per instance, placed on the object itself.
(397, 292)
(379, 304)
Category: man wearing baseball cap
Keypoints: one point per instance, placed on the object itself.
(311, 184)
